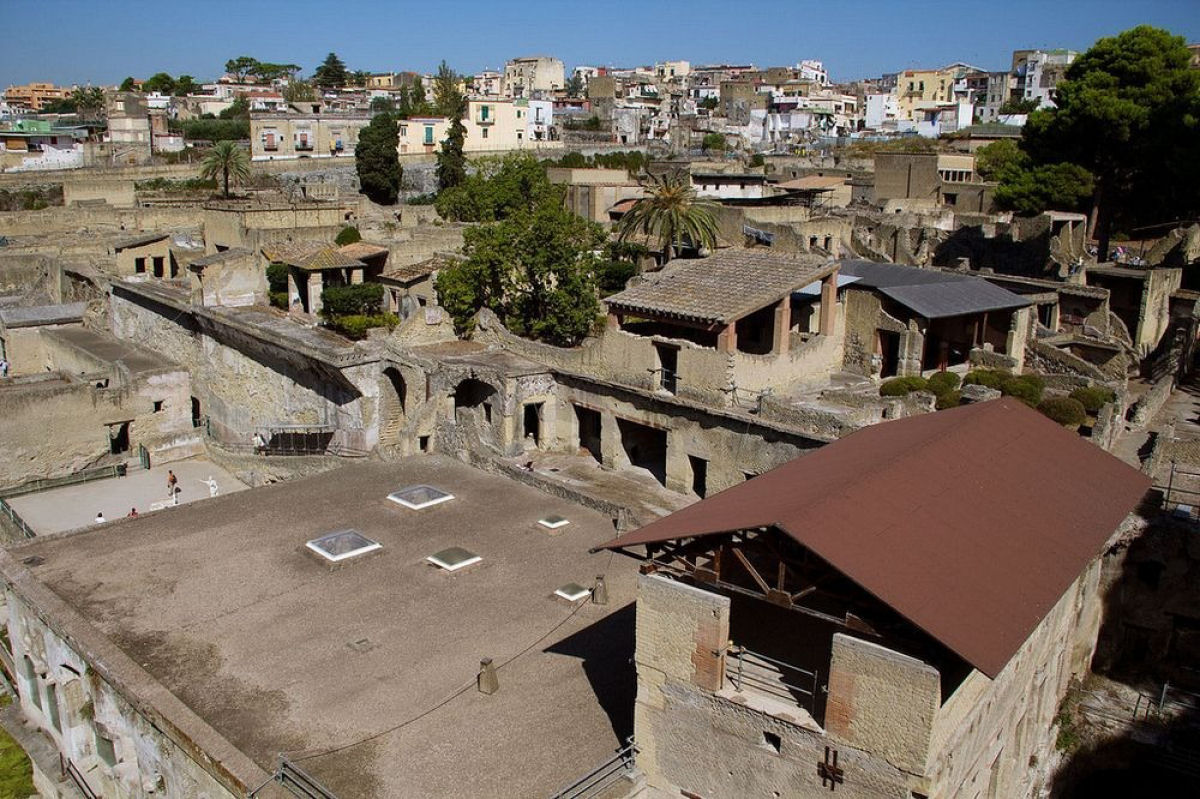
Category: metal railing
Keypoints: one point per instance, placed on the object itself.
(46, 483)
(69, 770)
(1179, 501)
(299, 782)
(619, 766)
(756, 672)
(16, 519)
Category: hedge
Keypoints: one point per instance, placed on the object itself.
(1026, 388)
(901, 386)
(943, 382)
(347, 235)
(1093, 398)
(1066, 411)
(985, 377)
(355, 326)
(354, 300)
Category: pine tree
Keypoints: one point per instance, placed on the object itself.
(332, 73)
(451, 164)
(377, 160)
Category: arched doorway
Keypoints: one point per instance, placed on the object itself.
(393, 397)
(474, 406)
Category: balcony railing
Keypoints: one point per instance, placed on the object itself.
(755, 672)
(480, 119)
(303, 145)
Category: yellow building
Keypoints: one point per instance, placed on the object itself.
(491, 125)
(285, 136)
(34, 95)
(918, 89)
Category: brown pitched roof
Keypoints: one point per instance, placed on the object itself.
(411, 272)
(362, 249)
(723, 287)
(310, 256)
(971, 522)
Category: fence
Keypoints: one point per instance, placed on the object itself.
(748, 669)
(70, 770)
(595, 782)
(299, 782)
(1181, 494)
(46, 483)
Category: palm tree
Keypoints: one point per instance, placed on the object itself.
(226, 159)
(672, 213)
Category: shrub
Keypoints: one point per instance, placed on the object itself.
(943, 382)
(1066, 411)
(355, 326)
(901, 386)
(422, 199)
(279, 299)
(949, 399)
(347, 235)
(359, 299)
(277, 278)
(611, 276)
(1093, 398)
(985, 377)
(1026, 388)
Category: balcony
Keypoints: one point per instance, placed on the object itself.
(303, 146)
(483, 119)
(271, 147)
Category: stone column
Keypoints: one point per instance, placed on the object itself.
(612, 454)
(828, 303)
(315, 284)
(783, 326)
(727, 338)
(615, 320)
(356, 275)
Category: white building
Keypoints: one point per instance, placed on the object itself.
(813, 70)
(881, 109)
(1038, 73)
(487, 83)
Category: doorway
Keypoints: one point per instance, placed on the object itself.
(118, 438)
(532, 422)
(646, 447)
(699, 476)
(589, 431)
(889, 353)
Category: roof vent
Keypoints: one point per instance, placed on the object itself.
(420, 497)
(453, 559)
(554, 522)
(342, 545)
(572, 592)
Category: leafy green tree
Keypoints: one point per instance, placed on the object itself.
(412, 102)
(1128, 112)
(575, 86)
(709, 103)
(266, 73)
(186, 85)
(451, 163)
(1053, 187)
(88, 101)
(332, 73)
(298, 91)
(239, 109)
(1015, 105)
(347, 235)
(382, 105)
(359, 77)
(499, 188)
(377, 160)
(713, 142)
(672, 213)
(534, 269)
(159, 82)
(999, 158)
(64, 105)
(127, 85)
(242, 66)
(448, 99)
(228, 160)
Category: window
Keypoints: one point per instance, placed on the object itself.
(158, 405)
(429, 134)
(105, 750)
(139, 265)
(484, 133)
(404, 130)
(52, 706)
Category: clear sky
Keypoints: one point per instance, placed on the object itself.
(102, 41)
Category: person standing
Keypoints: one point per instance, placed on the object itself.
(172, 483)
(99, 518)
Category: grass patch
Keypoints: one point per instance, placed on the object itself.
(16, 772)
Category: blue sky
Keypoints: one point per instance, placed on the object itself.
(102, 41)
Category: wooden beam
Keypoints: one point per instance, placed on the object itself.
(737, 553)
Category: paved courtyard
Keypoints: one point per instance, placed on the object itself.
(72, 507)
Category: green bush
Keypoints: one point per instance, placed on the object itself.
(943, 382)
(422, 199)
(279, 299)
(277, 278)
(611, 276)
(359, 299)
(355, 326)
(985, 377)
(1026, 388)
(1066, 411)
(1093, 398)
(757, 160)
(949, 399)
(901, 386)
(347, 235)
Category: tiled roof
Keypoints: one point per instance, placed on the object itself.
(309, 256)
(410, 272)
(362, 249)
(138, 240)
(723, 287)
(218, 257)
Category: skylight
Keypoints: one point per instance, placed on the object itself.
(420, 497)
(572, 592)
(554, 522)
(453, 559)
(342, 545)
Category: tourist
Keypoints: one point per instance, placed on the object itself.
(133, 514)
(172, 482)
(99, 518)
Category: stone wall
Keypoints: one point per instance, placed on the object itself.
(122, 743)
(1151, 403)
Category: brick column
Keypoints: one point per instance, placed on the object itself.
(356, 275)
(828, 303)
(315, 284)
(783, 326)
